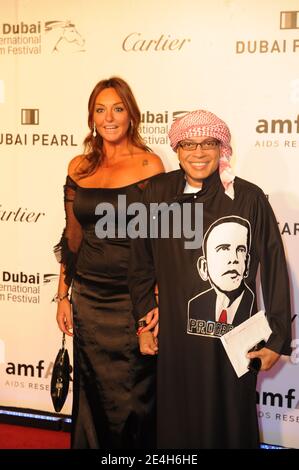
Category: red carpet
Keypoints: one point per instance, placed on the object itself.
(23, 437)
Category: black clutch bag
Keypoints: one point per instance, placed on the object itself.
(255, 364)
(60, 377)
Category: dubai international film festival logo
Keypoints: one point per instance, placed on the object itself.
(66, 37)
(289, 20)
(58, 36)
(154, 127)
(24, 287)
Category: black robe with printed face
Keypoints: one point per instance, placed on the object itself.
(201, 401)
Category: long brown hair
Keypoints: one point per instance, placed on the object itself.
(93, 146)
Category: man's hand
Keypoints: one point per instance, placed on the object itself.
(148, 343)
(267, 356)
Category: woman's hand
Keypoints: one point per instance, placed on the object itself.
(152, 320)
(64, 316)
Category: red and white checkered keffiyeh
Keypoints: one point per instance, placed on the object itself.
(203, 123)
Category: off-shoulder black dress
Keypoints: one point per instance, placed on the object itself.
(114, 385)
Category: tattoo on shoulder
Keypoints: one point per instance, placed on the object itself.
(145, 162)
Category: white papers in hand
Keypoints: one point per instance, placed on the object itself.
(240, 339)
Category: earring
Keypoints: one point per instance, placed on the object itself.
(94, 132)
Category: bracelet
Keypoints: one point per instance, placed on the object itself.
(140, 324)
(59, 298)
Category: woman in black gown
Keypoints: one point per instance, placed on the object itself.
(114, 386)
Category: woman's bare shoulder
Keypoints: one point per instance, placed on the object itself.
(74, 165)
(151, 163)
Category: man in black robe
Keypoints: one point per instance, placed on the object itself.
(201, 403)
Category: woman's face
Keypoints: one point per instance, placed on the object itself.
(110, 116)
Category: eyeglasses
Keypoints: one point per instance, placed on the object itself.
(205, 145)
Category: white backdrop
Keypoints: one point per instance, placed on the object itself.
(237, 58)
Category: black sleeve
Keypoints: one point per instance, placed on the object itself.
(66, 250)
(274, 278)
(141, 273)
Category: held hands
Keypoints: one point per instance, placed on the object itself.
(152, 320)
(64, 316)
(148, 341)
(267, 356)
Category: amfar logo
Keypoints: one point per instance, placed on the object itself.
(278, 133)
(27, 369)
(288, 20)
(277, 399)
(40, 370)
(134, 42)
(278, 126)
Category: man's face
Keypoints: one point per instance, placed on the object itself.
(226, 253)
(198, 164)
